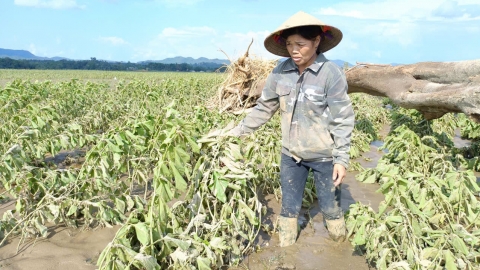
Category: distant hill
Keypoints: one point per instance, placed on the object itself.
(23, 54)
(191, 61)
(188, 60)
(341, 63)
(26, 55)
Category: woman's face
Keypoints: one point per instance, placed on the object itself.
(302, 50)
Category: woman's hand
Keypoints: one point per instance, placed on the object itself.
(339, 173)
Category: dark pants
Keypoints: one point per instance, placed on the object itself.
(293, 177)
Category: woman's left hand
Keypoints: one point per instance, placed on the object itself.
(339, 173)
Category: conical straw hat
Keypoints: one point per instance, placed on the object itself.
(276, 44)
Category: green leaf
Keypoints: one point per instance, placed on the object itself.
(141, 231)
(114, 148)
(120, 205)
(413, 175)
(163, 188)
(232, 166)
(203, 263)
(459, 245)
(235, 151)
(193, 145)
(130, 203)
(184, 156)
(248, 212)
(437, 219)
(412, 207)
(218, 243)
(165, 171)
(219, 187)
(179, 164)
(428, 253)
(184, 245)
(118, 139)
(449, 260)
(72, 210)
(54, 209)
(148, 262)
(103, 255)
(371, 179)
(180, 183)
(41, 228)
(396, 219)
(360, 238)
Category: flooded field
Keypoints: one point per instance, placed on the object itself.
(76, 150)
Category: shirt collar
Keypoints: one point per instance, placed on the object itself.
(315, 67)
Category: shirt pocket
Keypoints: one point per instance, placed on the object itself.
(283, 91)
(316, 98)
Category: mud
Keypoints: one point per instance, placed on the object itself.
(63, 249)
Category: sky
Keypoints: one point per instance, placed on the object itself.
(387, 31)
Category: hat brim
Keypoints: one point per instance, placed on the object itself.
(330, 41)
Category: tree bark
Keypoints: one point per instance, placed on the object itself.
(433, 88)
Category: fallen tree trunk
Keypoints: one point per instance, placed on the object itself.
(433, 88)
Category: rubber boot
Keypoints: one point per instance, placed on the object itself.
(287, 231)
(336, 229)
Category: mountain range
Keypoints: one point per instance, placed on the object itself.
(26, 55)
(23, 54)
(188, 60)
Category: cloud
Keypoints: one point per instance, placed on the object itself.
(236, 43)
(200, 41)
(32, 48)
(178, 3)
(452, 10)
(186, 32)
(382, 30)
(409, 10)
(171, 42)
(113, 40)
(53, 4)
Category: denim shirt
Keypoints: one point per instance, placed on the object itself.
(316, 113)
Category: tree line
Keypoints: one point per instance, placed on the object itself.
(94, 64)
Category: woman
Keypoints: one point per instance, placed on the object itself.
(317, 120)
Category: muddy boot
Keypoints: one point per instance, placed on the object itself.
(287, 231)
(336, 229)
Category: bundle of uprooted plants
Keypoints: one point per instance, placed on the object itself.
(243, 85)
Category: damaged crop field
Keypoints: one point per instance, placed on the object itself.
(144, 154)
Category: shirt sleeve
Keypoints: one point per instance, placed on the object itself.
(342, 118)
(266, 107)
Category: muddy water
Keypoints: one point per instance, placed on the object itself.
(64, 248)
